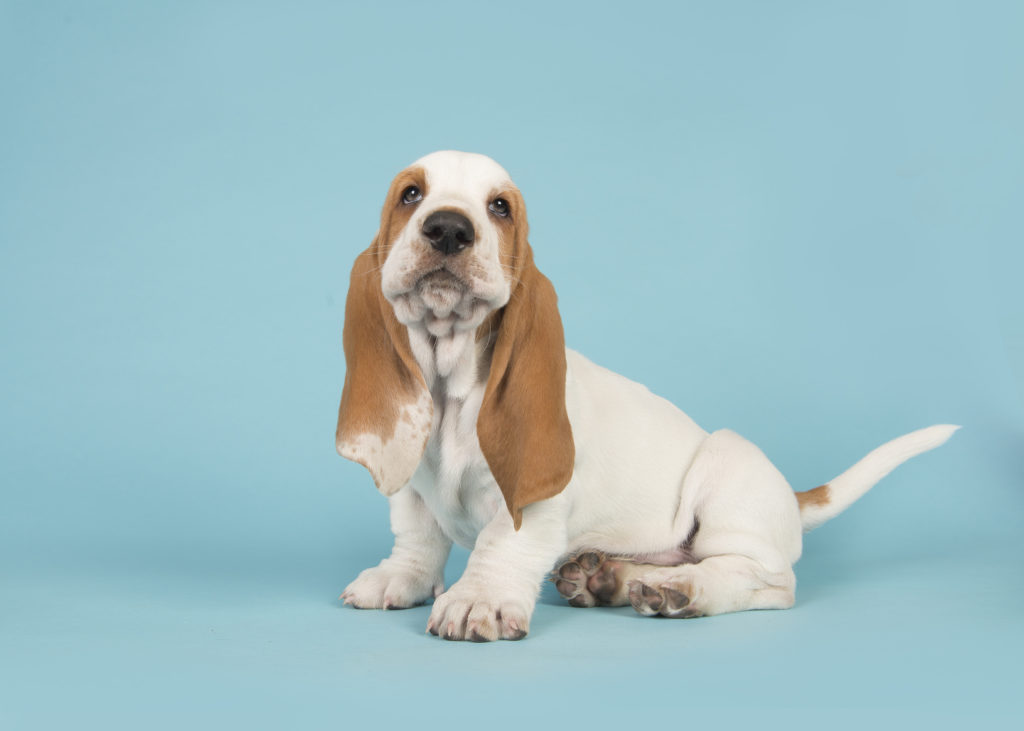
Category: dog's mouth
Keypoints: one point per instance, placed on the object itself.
(444, 295)
(441, 291)
(440, 282)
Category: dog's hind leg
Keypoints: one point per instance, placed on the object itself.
(745, 539)
(716, 585)
(749, 538)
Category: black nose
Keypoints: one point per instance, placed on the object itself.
(448, 232)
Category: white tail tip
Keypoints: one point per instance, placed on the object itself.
(829, 500)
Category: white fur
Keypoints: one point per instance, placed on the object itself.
(395, 457)
(852, 484)
(644, 471)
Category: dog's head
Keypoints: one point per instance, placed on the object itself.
(454, 223)
(452, 259)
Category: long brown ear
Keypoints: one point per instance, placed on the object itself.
(523, 426)
(386, 411)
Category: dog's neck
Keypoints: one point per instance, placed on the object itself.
(448, 362)
(451, 357)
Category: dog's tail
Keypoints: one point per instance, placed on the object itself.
(826, 502)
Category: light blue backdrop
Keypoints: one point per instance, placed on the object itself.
(800, 220)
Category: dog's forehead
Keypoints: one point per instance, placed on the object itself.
(465, 172)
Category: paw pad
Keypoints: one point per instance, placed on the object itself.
(589, 579)
(665, 600)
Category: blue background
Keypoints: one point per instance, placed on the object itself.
(799, 220)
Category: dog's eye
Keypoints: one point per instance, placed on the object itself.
(412, 194)
(499, 207)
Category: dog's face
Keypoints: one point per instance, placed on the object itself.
(448, 235)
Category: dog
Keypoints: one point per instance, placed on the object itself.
(481, 428)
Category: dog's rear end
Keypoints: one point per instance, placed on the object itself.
(744, 535)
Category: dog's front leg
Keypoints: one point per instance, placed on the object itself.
(414, 572)
(496, 595)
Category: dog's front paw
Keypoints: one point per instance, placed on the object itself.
(478, 613)
(387, 587)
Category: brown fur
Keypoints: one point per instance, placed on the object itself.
(523, 426)
(381, 375)
(817, 497)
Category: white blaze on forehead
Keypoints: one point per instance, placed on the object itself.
(460, 173)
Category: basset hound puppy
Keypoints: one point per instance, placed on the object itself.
(481, 428)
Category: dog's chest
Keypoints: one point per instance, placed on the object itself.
(453, 477)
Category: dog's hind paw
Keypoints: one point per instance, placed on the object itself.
(670, 599)
(592, 579)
